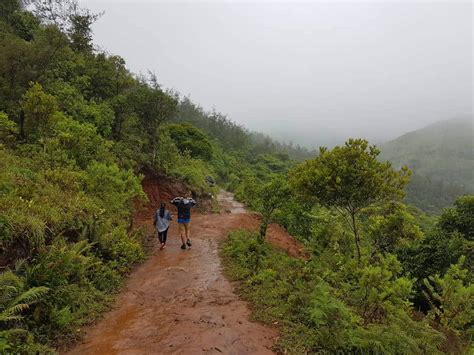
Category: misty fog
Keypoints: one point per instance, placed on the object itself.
(313, 73)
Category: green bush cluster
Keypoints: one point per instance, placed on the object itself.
(70, 227)
(321, 312)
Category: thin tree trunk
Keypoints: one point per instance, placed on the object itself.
(22, 125)
(263, 228)
(356, 235)
(118, 126)
(153, 147)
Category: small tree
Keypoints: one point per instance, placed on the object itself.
(270, 196)
(349, 178)
(80, 32)
(38, 108)
(64, 14)
(8, 130)
(153, 107)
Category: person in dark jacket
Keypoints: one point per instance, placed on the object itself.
(184, 206)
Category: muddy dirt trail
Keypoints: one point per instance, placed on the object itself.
(179, 302)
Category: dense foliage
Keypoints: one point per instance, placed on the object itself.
(77, 129)
(330, 304)
(333, 302)
(382, 277)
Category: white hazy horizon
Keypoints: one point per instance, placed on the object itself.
(313, 73)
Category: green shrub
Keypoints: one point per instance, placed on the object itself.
(190, 139)
(113, 190)
(68, 270)
(452, 298)
(121, 250)
(320, 313)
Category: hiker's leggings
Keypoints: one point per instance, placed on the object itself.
(163, 235)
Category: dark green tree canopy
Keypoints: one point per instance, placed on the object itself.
(349, 177)
(152, 106)
(8, 8)
(459, 218)
(191, 139)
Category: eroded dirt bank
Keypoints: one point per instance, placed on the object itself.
(179, 301)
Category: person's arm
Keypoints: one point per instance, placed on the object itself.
(193, 203)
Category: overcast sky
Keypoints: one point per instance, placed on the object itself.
(310, 72)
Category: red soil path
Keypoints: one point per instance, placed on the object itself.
(178, 301)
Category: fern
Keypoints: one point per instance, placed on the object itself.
(14, 299)
(451, 298)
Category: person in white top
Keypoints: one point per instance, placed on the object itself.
(162, 224)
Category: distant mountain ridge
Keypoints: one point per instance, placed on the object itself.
(441, 157)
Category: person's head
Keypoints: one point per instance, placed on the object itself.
(162, 210)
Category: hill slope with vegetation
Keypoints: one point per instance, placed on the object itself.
(441, 157)
(381, 277)
(78, 130)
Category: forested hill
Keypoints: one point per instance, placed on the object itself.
(234, 136)
(441, 157)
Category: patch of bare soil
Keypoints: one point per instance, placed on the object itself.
(179, 302)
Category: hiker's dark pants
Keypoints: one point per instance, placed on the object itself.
(163, 235)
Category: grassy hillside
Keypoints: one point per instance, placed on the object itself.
(441, 157)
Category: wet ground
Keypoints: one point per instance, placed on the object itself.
(179, 302)
(228, 204)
